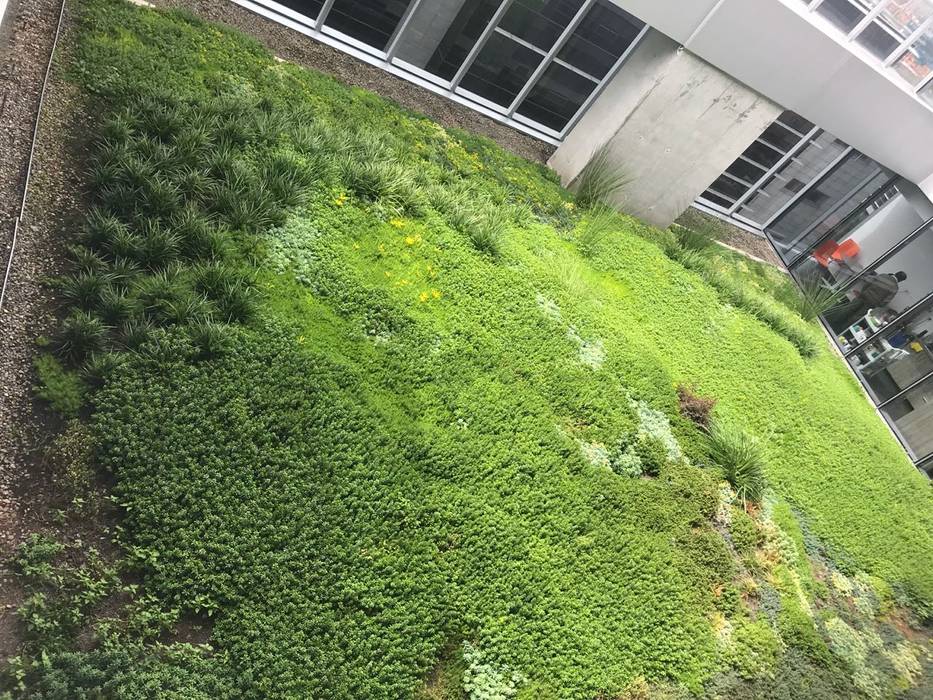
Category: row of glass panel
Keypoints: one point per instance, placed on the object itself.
(536, 61)
(784, 160)
(862, 239)
(897, 32)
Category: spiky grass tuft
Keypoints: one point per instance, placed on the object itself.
(740, 457)
(601, 181)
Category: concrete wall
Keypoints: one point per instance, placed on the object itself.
(672, 123)
(799, 60)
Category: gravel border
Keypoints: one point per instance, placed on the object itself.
(301, 49)
(26, 489)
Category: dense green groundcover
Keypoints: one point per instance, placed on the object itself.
(382, 410)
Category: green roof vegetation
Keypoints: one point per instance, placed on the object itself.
(389, 416)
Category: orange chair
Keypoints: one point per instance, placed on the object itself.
(824, 252)
(846, 251)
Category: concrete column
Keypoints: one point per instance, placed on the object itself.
(672, 123)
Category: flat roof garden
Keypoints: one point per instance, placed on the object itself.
(390, 414)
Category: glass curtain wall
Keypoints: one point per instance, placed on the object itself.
(786, 158)
(898, 33)
(537, 63)
(860, 240)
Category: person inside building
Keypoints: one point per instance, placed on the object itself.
(874, 291)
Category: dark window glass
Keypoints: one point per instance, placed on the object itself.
(716, 199)
(600, 39)
(556, 97)
(729, 187)
(842, 13)
(309, 8)
(539, 22)
(462, 36)
(501, 70)
(779, 137)
(763, 154)
(878, 41)
(745, 171)
(796, 122)
(371, 21)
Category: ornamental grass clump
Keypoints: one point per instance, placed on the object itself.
(741, 460)
(815, 297)
(599, 225)
(601, 181)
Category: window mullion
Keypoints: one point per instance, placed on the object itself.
(546, 61)
(869, 18)
(322, 15)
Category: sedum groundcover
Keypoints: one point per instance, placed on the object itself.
(385, 414)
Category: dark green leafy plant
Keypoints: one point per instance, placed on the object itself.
(62, 388)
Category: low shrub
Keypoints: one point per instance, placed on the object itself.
(61, 388)
(696, 408)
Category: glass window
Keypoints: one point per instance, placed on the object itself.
(714, 198)
(600, 39)
(458, 39)
(903, 17)
(826, 204)
(539, 22)
(912, 415)
(880, 41)
(844, 14)
(808, 162)
(745, 171)
(556, 97)
(917, 62)
(781, 138)
(728, 187)
(895, 360)
(794, 121)
(501, 70)
(763, 154)
(372, 22)
(309, 8)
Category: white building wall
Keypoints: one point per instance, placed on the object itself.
(672, 124)
(802, 62)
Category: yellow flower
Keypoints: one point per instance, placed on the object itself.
(397, 223)
(356, 246)
(410, 240)
(340, 200)
(569, 206)
(436, 294)
(423, 297)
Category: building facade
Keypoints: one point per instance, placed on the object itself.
(805, 121)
